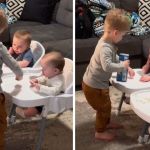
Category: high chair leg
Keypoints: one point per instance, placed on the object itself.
(12, 115)
(41, 134)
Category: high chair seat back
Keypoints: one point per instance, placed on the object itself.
(68, 76)
(38, 52)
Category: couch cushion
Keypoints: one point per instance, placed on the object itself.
(131, 45)
(42, 33)
(15, 8)
(146, 47)
(4, 37)
(63, 46)
(55, 11)
(129, 5)
(85, 49)
(116, 2)
(20, 23)
(38, 10)
(79, 72)
(64, 14)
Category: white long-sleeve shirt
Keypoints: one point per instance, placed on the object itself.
(51, 86)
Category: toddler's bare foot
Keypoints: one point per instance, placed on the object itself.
(105, 136)
(113, 125)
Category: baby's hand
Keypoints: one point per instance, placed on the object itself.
(126, 63)
(19, 78)
(131, 72)
(36, 87)
(11, 51)
(145, 78)
(33, 82)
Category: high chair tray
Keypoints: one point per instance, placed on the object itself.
(131, 85)
(23, 95)
(7, 71)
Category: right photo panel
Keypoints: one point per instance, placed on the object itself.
(112, 80)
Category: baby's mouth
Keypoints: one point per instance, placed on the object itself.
(17, 52)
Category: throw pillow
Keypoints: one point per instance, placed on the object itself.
(38, 10)
(144, 12)
(15, 8)
(3, 7)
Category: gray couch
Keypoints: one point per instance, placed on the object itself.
(136, 46)
(54, 36)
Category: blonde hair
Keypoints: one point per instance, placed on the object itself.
(54, 58)
(117, 19)
(3, 20)
(24, 35)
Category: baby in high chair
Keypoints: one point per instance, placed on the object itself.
(20, 49)
(50, 83)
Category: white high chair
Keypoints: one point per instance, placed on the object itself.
(63, 101)
(25, 97)
(38, 52)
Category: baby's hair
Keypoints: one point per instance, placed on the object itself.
(54, 58)
(3, 20)
(24, 35)
(117, 19)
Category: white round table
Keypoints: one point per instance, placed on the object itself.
(140, 103)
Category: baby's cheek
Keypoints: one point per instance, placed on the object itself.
(13, 47)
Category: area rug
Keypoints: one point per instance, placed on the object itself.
(126, 138)
(23, 135)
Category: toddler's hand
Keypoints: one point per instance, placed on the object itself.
(145, 78)
(126, 63)
(131, 72)
(19, 78)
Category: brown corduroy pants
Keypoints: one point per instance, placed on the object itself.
(3, 122)
(100, 101)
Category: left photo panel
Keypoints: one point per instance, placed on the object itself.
(36, 74)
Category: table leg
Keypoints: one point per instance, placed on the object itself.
(144, 136)
(39, 143)
(120, 104)
(12, 115)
